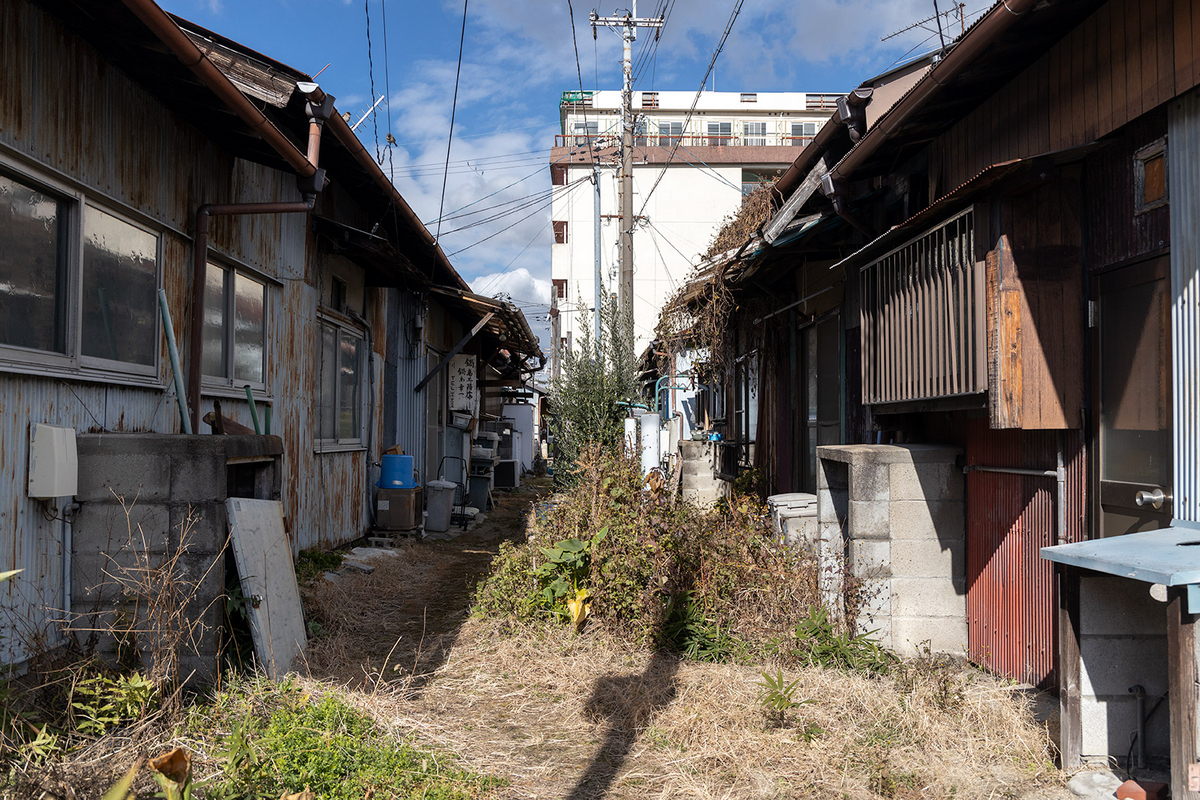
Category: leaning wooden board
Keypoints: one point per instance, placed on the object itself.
(268, 579)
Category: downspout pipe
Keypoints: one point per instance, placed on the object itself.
(200, 277)
(320, 109)
(990, 28)
(178, 42)
(349, 139)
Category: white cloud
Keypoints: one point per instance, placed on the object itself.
(525, 290)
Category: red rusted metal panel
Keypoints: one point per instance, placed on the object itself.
(1011, 596)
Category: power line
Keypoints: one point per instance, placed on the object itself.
(515, 209)
(711, 64)
(462, 37)
(507, 228)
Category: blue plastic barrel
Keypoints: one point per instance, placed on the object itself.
(397, 473)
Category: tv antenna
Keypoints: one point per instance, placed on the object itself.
(958, 9)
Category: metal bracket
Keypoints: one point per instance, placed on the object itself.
(1193, 598)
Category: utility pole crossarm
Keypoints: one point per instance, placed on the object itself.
(621, 22)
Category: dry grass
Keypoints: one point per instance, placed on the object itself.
(563, 715)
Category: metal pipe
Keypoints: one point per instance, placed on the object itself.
(1040, 473)
(176, 368)
(200, 277)
(1060, 473)
(253, 410)
(349, 139)
(1139, 694)
(178, 42)
(982, 35)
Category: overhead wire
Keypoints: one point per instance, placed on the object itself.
(695, 100)
(462, 37)
(540, 199)
(540, 208)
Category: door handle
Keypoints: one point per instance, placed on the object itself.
(1154, 498)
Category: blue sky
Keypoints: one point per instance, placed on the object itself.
(518, 58)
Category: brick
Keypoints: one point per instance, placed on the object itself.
(926, 481)
(869, 482)
(198, 479)
(916, 558)
(105, 477)
(924, 597)
(105, 527)
(910, 635)
(832, 474)
(1141, 790)
(914, 519)
(869, 520)
(870, 556)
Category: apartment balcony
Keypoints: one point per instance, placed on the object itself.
(609, 140)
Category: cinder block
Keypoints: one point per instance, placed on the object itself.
(832, 505)
(875, 601)
(869, 483)
(926, 481)
(1110, 665)
(925, 597)
(910, 635)
(106, 527)
(869, 520)
(198, 479)
(108, 578)
(204, 525)
(871, 556)
(1111, 605)
(136, 477)
(928, 558)
(1108, 724)
(913, 519)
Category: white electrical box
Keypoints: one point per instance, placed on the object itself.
(53, 462)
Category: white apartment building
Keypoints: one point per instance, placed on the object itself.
(732, 142)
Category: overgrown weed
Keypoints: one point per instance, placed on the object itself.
(713, 584)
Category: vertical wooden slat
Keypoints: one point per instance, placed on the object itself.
(1183, 46)
(1134, 89)
(1118, 69)
(1069, 683)
(1166, 50)
(1181, 688)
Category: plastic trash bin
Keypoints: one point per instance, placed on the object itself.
(440, 505)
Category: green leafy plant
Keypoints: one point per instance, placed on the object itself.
(565, 570)
(312, 563)
(821, 643)
(778, 697)
(323, 745)
(693, 634)
(102, 702)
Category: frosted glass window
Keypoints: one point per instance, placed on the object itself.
(120, 283)
(248, 329)
(235, 332)
(33, 268)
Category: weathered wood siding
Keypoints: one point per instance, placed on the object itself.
(69, 115)
(1123, 61)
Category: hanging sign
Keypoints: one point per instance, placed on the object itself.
(464, 393)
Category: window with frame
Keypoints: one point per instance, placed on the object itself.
(339, 408)
(719, 133)
(234, 338)
(754, 134)
(78, 284)
(803, 132)
(669, 133)
(586, 131)
(1150, 177)
(560, 231)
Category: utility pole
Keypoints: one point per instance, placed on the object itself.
(628, 25)
(599, 292)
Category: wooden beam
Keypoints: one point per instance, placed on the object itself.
(1070, 738)
(1181, 688)
(788, 211)
(511, 383)
(457, 349)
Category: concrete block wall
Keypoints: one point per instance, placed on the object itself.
(144, 499)
(699, 483)
(894, 515)
(1122, 643)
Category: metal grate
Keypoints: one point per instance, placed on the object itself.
(923, 318)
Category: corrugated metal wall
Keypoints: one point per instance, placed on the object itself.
(1183, 165)
(75, 119)
(405, 367)
(1011, 600)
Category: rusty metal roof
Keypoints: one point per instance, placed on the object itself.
(508, 327)
(117, 33)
